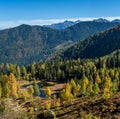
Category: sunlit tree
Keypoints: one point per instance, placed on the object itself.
(12, 84)
(31, 91)
(48, 92)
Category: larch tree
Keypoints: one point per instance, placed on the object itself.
(75, 88)
(66, 93)
(98, 79)
(43, 66)
(31, 91)
(112, 73)
(90, 90)
(48, 92)
(85, 84)
(107, 89)
(96, 88)
(12, 84)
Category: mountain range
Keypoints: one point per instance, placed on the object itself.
(62, 25)
(67, 24)
(25, 44)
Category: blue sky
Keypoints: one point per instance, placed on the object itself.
(15, 12)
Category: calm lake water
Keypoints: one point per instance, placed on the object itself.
(42, 92)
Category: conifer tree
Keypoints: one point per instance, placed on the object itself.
(33, 69)
(5, 88)
(115, 86)
(0, 90)
(18, 73)
(96, 88)
(23, 72)
(97, 79)
(36, 89)
(90, 90)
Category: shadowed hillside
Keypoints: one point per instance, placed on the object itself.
(96, 46)
(25, 44)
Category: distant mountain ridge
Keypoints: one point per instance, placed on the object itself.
(116, 20)
(62, 25)
(66, 24)
(101, 20)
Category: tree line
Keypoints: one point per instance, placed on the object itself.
(90, 76)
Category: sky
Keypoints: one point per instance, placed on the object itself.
(41, 12)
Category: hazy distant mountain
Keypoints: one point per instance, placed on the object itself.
(25, 44)
(66, 24)
(62, 25)
(101, 20)
(116, 20)
(105, 20)
(96, 46)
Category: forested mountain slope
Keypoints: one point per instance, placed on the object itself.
(95, 46)
(25, 44)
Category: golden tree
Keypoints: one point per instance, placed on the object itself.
(48, 92)
(90, 88)
(98, 79)
(96, 88)
(85, 83)
(12, 85)
(66, 94)
(31, 91)
(107, 87)
(75, 88)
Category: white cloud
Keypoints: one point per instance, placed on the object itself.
(10, 24)
(7, 24)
